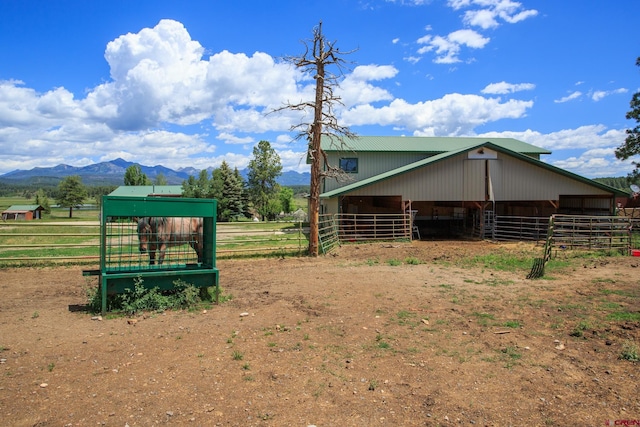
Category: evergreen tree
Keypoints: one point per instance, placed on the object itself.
(71, 192)
(264, 169)
(230, 201)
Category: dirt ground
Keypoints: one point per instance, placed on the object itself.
(362, 337)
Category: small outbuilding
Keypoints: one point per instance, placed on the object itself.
(22, 212)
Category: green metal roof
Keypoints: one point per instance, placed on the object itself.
(421, 163)
(148, 190)
(425, 144)
(23, 208)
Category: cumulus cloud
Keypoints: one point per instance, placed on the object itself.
(596, 136)
(568, 149)
(452, 115)
(159, 79)
(356, 87)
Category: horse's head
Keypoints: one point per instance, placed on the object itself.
(144, 234)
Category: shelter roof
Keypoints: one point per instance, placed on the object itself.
(148, 191)
(23, 208)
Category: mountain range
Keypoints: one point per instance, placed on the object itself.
(112, 173)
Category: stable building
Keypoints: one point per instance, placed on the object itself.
(446, 181)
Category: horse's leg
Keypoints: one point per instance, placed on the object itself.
(199, 251)
(162, 250)
(152, 255)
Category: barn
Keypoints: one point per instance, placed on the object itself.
(455, 183)
(22, 212)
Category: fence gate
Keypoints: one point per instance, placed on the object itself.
(489, 224)
(592, 232)
(327, 233)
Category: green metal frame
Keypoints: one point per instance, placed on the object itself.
(201, 275)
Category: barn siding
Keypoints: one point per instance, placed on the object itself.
(461, 178)
(370, 164)
(529, 182)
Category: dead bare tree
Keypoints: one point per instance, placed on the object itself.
(320, 55)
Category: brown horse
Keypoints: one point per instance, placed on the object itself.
(156, 234)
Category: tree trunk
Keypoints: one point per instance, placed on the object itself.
(70, 211)
(316, 171)
(314, 205)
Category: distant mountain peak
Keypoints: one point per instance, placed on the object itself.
(112, 173)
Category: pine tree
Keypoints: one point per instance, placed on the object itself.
(264, 169)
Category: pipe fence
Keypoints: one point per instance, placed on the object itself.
(79, 241)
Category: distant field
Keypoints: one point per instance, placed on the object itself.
(56, 213)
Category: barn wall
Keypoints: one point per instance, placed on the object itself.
(464, 178)
(439, 181)
(529, 182)
(370, 164)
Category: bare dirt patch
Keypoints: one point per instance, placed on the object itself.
(358, 338)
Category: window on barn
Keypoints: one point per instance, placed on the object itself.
(349, 164)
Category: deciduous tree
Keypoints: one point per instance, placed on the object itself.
(43, 200)
(71, 193)
(134, 176)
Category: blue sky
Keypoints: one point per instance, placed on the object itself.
(188, 84)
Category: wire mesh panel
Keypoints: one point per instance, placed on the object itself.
(152, 243)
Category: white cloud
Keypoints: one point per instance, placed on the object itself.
(452, 115)
(487, 13)
(575, 95)
(594, 147)
(600, 94)
(504, 88)
(448, 48)
(593, 136)
(355, 88)
(483, 14)
(233, 139)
